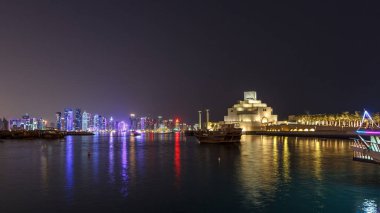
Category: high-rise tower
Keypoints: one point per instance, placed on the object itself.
(58, 117)
(69, 119)
(78, 120)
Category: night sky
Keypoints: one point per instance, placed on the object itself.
(173, 58)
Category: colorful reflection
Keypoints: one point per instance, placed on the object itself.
(69, 168)
(111, 158)
(177, 157)
(44, 166)
(124, 168)
(132, 157)
(95, 157)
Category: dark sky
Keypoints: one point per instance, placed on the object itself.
(176, 57)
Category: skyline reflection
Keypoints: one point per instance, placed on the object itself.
(111, 159)
(69, 168)
(177, 158)
(124, 168)
(261, 173)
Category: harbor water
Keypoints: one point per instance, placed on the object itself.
(174, 173)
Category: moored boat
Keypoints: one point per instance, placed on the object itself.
(228, 133)
(135, 133)
(366, 146)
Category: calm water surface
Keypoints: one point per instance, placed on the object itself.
(173, 173)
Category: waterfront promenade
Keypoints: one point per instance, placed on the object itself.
(299, 130)
(319, 134)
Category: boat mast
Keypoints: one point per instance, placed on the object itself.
(207, 118)
(200, 120)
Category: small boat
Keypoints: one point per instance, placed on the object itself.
(135, 133)
(228, 133)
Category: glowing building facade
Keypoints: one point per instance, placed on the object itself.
(96, 122)
(26, 123)
(78, 120)
(69, 119)
(103, 124)
(58, 120)
(132, 122)
(111, 125)
(85, 121)
(250, 113)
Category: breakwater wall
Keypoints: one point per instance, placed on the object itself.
(78, 133)
(33, 134)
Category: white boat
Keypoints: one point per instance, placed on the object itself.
(366, 146)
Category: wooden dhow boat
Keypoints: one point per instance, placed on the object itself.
(227, 133)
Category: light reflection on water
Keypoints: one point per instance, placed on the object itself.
(69, 165)
(176, 173)
(177, 159)
(111, 159)
(369, 206)
(124, 168)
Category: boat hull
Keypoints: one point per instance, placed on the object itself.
(374, 155)
(218, 138)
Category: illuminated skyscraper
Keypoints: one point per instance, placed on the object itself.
(26, 122)
(41, 124)
(170, 124)
(159, 121)
(122, 126)
(58, 117)
(5, 124)
(103, 123)
(90, 122)
(111, 124)
(143, 123)
(69, 119)
(34, 122)
(63, 124)
(132, 122)
(96, 122)
(85, 121)
(176, 125)
(78, 120)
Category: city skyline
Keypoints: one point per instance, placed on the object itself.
(78, 120)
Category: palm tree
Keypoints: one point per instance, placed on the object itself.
(376, 118)
(357, 118)
(345, 116)
(331, 118)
